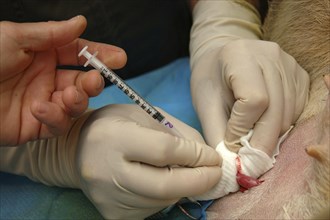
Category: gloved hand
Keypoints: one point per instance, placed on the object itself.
(240, 82)
(123, 160)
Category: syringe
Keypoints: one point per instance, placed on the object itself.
(116, 80)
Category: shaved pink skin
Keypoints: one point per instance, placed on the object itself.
(285, 180)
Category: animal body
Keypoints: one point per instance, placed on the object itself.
(298, 186)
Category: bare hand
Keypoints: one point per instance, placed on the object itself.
(37, 100)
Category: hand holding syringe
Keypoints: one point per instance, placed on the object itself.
(116, 80)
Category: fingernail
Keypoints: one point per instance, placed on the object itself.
(75, 18)
(79, 97)
(100, 83)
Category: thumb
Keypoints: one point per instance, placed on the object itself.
(44, 35)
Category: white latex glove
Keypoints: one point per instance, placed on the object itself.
(120, 157)
(240, 82)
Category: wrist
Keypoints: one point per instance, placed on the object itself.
(71, 145)
(54, 160)
(57, 157)
(216, 23)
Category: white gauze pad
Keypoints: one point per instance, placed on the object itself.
(254, 163)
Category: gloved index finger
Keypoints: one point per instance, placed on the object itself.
(163, 166)
(164, 149)
(251, 100)
(170, 183)
(267, 129)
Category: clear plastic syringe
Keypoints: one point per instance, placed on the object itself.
(116, 80)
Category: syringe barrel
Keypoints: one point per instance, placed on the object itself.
(116, 80)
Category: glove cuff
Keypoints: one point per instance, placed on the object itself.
(50, 161)
(215, 23)
(67, 151)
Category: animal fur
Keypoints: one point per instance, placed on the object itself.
(302, 29)
(317, 199)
